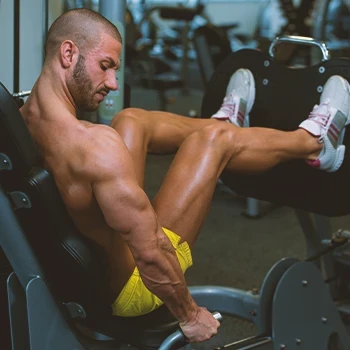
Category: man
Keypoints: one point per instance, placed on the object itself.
(99, 169)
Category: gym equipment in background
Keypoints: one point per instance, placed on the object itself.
(114, 101)
(332, 25)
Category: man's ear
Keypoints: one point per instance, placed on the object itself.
(68, 52)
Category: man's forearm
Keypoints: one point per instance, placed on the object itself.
(162, 275)
(153, 252)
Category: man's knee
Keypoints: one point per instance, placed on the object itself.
(128, 115)
(218, 135)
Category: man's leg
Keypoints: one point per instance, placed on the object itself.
(154, 132)
(205, 147)
(163, 132)
(184, 198)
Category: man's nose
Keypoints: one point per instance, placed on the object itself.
(112, 82)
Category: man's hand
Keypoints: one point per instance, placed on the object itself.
(200, 328)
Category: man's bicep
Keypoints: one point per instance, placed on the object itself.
(129, 213)
(119, 197)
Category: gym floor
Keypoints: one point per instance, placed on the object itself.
(232, 250)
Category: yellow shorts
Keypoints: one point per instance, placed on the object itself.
(135, 299)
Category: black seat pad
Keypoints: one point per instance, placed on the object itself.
(283, 103)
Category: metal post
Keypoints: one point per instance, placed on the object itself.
(113, 10)
(45, 24)
(320, 13)
(253, 210)
(114, 102)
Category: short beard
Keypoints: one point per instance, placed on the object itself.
(82, 87)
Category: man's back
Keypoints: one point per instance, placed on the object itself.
(72, 151)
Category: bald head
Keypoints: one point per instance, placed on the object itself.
(83, 27)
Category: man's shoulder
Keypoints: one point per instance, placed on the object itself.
(98, 128)
(103, 149)
(102, 135)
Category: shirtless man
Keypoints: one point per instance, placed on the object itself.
(99, 169)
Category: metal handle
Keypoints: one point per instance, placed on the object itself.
(21, 94)
(177, 339)
(217, 316)
(303, 40)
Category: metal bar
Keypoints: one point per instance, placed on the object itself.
(313, 242)
(300, 40)
(248, 343)
(228, 301)
(253, 210)
(22, 93)
(45, 23)
(172, 340)
(178, 338)
(18, 314)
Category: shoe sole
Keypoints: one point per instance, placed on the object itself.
(342, 134)
(251, 98)
(340, 152)
(341, 149)
(251, 92)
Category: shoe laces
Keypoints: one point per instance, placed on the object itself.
(321, 117)
(229, 105)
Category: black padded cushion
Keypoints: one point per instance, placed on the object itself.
(75, 266)
(282, 104)
(15, 141)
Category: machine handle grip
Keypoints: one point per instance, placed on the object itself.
(21, 94)
(303, 40)
(217, 316)
(178, 339)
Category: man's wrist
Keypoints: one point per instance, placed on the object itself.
(191, 315)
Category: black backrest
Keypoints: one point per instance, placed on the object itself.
(15, 139)
(74, 267)
(284, 97)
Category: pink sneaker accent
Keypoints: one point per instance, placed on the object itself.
(314, 163)
(239, 99)
(327, 122)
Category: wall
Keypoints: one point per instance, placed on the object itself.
(6, 42)
(32, 37)
(32, 34)
(31, 42)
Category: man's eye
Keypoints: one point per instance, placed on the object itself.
(104, 68)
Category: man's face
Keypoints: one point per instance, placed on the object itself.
(94, 74)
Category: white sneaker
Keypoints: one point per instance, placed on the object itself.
(239, 100)
(327, 121)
